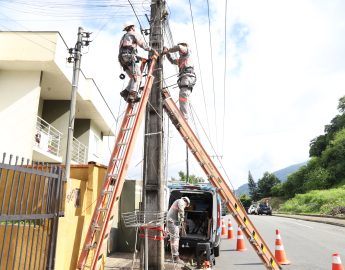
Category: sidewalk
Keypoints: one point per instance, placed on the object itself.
(123, 261)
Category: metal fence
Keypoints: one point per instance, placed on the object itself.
(79, 152)
(30, 196)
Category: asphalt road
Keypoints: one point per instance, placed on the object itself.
(308, 245)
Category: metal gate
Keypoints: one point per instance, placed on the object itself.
(30, 195)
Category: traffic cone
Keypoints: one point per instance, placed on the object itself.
(206, 265)
(240, 245)
(279, 250)
(336, 262)
(230, 230)
(223, 228)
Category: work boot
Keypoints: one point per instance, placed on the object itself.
(177, 260)
(124, 93)
(133, 97)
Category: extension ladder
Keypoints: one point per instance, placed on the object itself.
(216, 179)
(94, 249)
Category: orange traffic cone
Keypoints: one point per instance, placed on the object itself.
(230, 230)
(336, 262)
(279, 250)
(240, 245)
(223, 228)
(206, 265)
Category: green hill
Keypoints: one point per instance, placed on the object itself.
(280, 174)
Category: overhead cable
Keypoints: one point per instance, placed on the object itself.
(214, 93)
(225, 68)
(197, 52)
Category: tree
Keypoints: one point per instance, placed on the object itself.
(192, 179)
(341, 104)
(253, 189)
(266, 183)
(245, 200)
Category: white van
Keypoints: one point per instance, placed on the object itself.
(202, 217)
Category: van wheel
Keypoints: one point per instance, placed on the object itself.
(216, 251)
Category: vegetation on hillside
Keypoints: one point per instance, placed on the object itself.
(327, 202)
(317, 187)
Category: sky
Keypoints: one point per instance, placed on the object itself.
(269, 77)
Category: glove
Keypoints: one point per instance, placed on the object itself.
(165, 50)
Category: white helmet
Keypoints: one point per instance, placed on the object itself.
(127, 24)
(186, 199)
(183, 43)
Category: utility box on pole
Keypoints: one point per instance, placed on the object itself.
(153, 189)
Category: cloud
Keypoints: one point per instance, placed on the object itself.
(285, 74)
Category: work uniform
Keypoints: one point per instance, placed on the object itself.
(186, 78)
(174, 218)
(128, 57)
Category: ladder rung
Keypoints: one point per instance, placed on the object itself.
(126, 129)
(117, 159)
(102, 209)
(113, 176)
(131, 114)
(96, 227)
(121, 144)
(107, 192)
(91, 246)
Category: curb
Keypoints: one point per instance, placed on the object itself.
(313, 218)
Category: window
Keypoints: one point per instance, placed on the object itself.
(96, 145)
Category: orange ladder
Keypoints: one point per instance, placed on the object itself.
(95, 245)
(216, 179)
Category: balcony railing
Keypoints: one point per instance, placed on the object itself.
(79, 152)
(47, 138)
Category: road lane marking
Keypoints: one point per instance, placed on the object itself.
(302, 225)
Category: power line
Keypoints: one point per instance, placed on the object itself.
(209, 141)
(214, 93)
(197, 52)
(225, 68)
(141, 28)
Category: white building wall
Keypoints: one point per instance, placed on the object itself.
(19, 99)
(95, 144)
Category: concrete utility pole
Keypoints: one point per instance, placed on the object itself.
(75, 57)
(153, 186)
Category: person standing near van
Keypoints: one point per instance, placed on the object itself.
(175, 218)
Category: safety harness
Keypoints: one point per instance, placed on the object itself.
(127, 52)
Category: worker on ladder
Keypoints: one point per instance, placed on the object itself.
(175, 220)
(129, 60)
(186, 78)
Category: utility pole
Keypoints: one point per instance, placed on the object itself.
(153, 182)
(187, 165)
(75, 57)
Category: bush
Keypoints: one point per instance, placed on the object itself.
(315, 202)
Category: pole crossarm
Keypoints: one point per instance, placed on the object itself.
(216, 179)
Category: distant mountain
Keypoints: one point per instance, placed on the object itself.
(283, 174)
(280, 174)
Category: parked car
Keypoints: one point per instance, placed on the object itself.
(264, 209)
(252, 209)
(203, 216)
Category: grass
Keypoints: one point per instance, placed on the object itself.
(315, 202)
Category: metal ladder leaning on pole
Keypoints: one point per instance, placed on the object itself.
(216, 179)
(95, 245)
